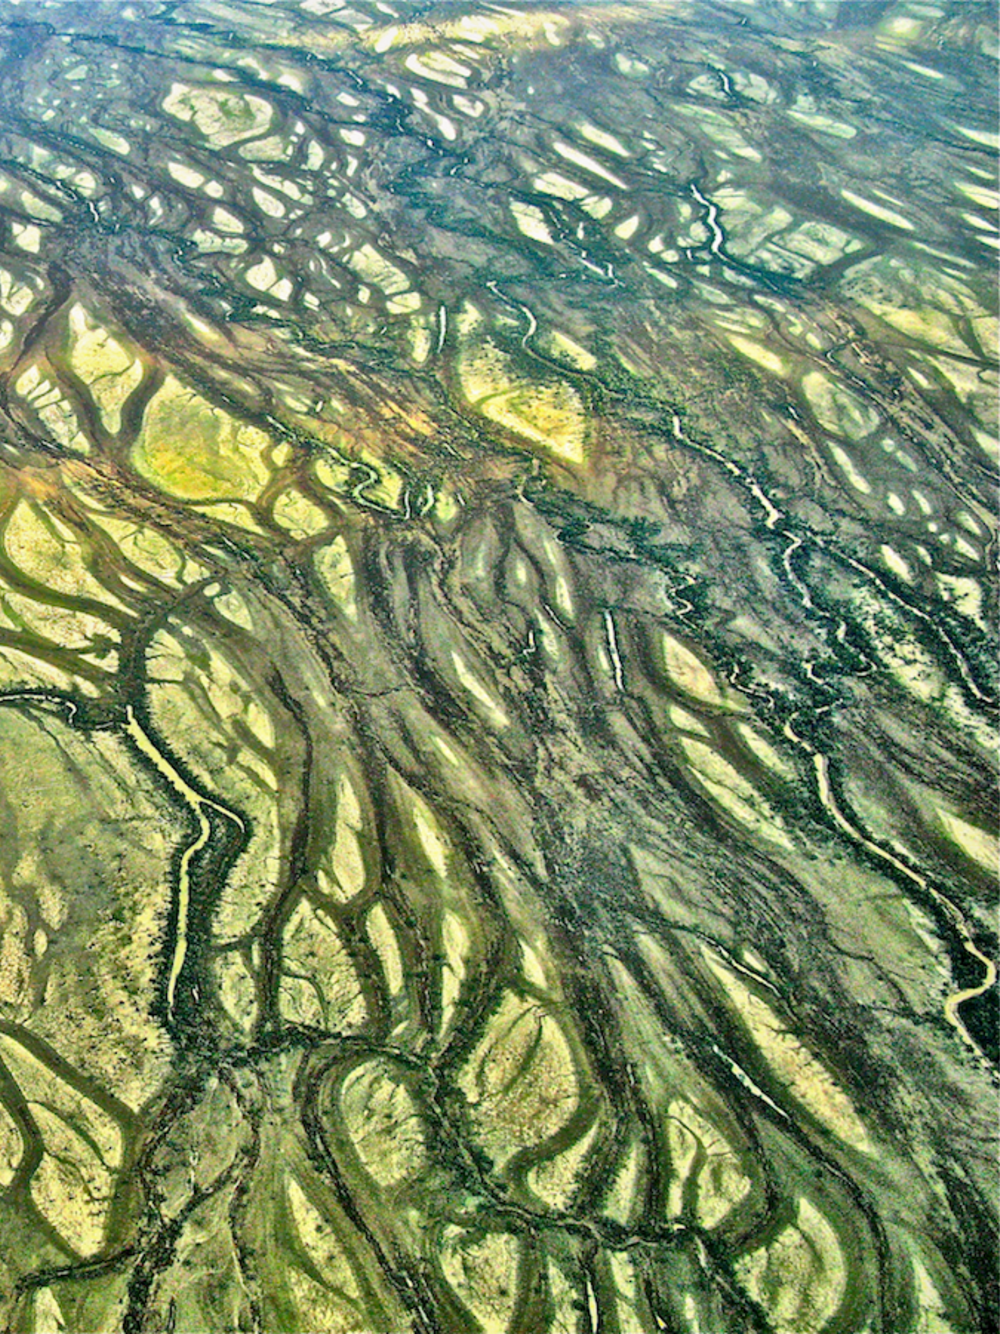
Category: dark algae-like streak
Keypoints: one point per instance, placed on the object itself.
(498, 684)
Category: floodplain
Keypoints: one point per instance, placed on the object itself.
(498, 692)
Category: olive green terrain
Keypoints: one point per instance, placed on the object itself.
(497, 667)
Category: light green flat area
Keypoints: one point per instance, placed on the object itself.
(549, 417)
(800, 1278)
(85, 886)
(197, 451)
(224, 117)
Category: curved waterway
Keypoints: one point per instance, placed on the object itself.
(197, 805)
(498, 689)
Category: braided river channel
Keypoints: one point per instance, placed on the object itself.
(498, 675)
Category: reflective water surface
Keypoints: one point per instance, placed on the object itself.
(497, 667)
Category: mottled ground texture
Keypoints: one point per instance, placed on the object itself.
(497, 667)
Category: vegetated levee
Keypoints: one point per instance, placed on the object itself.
(496, 673)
